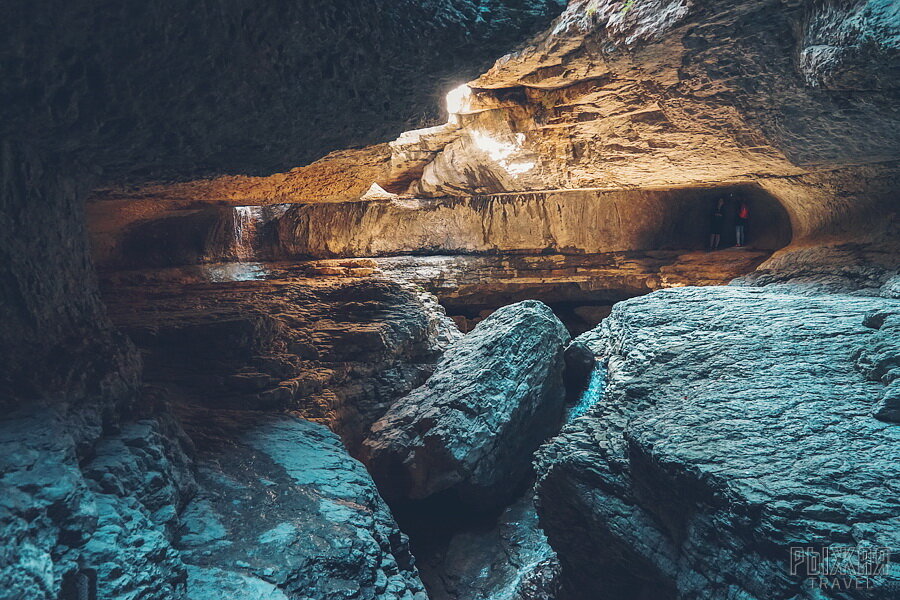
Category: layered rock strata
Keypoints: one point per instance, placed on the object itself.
(107, 94)
(736, 423)
(570, 222)
(335, 350)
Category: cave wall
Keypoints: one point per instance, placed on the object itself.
(237, 86)
(567, 221)
(56, 340)
(571, 222)
(98, 94)
(669, 92)
(94, 93)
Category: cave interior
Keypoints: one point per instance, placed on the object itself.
(416, 299)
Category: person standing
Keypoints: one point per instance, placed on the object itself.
(740, 226)
(716, 225)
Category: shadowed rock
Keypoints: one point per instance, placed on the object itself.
(285, 513)
(736, 424)
(473, 426)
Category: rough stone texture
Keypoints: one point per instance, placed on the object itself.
(461, 281)
(471, 428)
(573, 222)
(856, 269)
(134, 92)
(667, 92)
(99, 93)
(285, 513)
(510, 560)
(56, 341)
(852, 46)
(570, 222)
(111, 516)
(735, 423)
(336, 350)
(880, 361)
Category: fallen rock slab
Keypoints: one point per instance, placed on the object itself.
(472, 427)
(285, 512)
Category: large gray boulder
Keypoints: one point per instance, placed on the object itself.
(472, 428)
(284, 512)
(736, 423)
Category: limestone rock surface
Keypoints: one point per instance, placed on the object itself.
(336, 350)
(108, 519)
(284, 512)
(736, 423)
(472, 427)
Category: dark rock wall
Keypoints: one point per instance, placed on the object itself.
(94, 92)
(56, 341)
(186, 87)
(735, 424)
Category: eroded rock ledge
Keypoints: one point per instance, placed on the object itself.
(736, 423)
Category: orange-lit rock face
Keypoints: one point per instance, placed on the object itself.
(566, 222)
(670, 92)
(615, 97)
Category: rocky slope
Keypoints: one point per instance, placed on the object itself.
(471, 428)
(207, 487)
(285, 513)
(736, 424)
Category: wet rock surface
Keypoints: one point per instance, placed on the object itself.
(471, 428)
(285, 512)
(507, 558)
(735, 424)
(108, 520)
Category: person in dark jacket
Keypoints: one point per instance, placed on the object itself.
(740, 226)
(716, 225)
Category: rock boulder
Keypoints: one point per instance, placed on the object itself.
(472, 428)
(284, 512)
(736, 424)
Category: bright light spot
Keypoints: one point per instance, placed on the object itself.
(237, 271)
(496, 149)
(519, 168)
(503, 152)
(457, 99)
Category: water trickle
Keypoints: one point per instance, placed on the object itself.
(592, 394)
(235, 271)
(243, 241)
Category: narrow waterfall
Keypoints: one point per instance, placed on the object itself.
(244, 232)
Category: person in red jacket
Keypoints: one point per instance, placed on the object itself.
(740, 226)
(716, 223)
